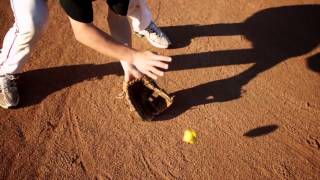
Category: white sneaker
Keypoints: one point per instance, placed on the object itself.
(9, 96)
(155, 36)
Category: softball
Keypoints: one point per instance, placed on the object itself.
(190, 136)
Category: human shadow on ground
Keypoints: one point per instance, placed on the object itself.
(36, 85)
(261, 131)
(314, 62)
(276, 34)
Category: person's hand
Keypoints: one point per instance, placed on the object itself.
(149, 63)
(130, 71)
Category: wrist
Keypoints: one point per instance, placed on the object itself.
(130, 55)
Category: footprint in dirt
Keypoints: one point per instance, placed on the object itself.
(313, 142)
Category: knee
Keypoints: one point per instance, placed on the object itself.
(32, 27)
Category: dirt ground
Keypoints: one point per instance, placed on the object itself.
(245, 75)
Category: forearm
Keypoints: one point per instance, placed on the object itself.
(100, 41)
(145, 62)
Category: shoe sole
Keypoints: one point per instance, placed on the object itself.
(11, 106)
(6, 107)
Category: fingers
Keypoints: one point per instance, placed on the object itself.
(157, 57)
(136, 73)
(153, 72)
(151, 64)
(158, 61)
(148, 73)
(156, 71)
(159, 64)
(161, 58)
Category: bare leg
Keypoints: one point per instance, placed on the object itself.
(121, 31)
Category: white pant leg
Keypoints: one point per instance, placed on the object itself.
(30, 18)
(139, 15)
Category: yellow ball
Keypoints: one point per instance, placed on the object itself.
(190, 136)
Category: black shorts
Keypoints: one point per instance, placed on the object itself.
(81, 10)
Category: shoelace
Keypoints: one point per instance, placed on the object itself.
(152, 28)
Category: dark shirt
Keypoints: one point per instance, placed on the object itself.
(81, 10)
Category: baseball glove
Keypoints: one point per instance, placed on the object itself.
(146, 98)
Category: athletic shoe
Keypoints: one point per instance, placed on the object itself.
(9, 96)
(155, 36)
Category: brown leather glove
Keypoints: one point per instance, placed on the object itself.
(146, 98)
